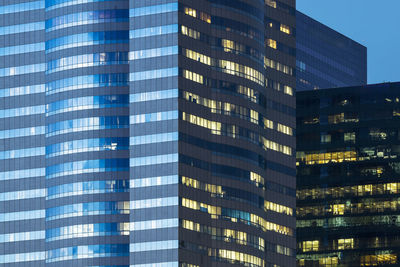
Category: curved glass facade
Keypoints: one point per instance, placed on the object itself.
(231, 89)
(147, 133)
(86, 115)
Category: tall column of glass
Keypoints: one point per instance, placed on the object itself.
(153, 131)
(22, 107)
(87, 129)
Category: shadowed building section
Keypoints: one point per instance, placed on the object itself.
(348, 170)
(326, 58)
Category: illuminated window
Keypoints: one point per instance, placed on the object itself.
(286, 29)
(191, 12)
(374, 260)
(377, 135)
(277, 208)
(190, 32)
(271, 43)
(230, 46)
(193, 76)
(325, 138)
(271, 3)
(284, 129)
(338, 209)
(346, 243)
(268, 124)
(329, 261)
(336, 118)
(205, 17)
(350, 137)
(197, 56)
(310, 245)
(269, 63)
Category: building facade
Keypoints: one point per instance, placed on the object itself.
(348, 176)
(147, 133)
(326, 58)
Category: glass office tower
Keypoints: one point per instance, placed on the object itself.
(147, 133)
(327, 58)
(348, 176)
(22, 133)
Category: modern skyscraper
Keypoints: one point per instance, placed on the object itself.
(326, 58)
(147, 133)
(348, 176)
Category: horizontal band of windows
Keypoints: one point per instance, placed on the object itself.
(87, 149)
(88, 17)
(154, 224)
(87, 60)
(22, 174)
(230, 257)
(225, 108)
(22, 236)
(22, 215)
(23, 257)
(155, 245)
(241, 7)
(272, 64)
(344, 222)
(86, 39)
(22, 132)
(22, 153)
(354, 191)
(154, 181)
(226, 235)
(219, 128)
(224, 150)
(87, 81)
(217, 212)
(154, 138)
(153, 31)
(159, 264)
(224, 192)
(21, 7)
(156, 95)
(230, 172)
(91, 187)
(153, 160)
(85, 145)
(86, 124)
(154, 52)
(153, 74)
(234, 110)
(87, 128)
(22, 28)
(53, 4)
(25, 194)
(226, 45)
(237, 89)
(87, 252)
(236, 194)
(87, 230)
(21, 49)
(229, 46)
(25, 69)
(154, 203)
(87, 166)
(151, 10)
(87, 102)
(152, 117)
(226, 66)
(85, 209)
(24, 111)
(23, 90)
